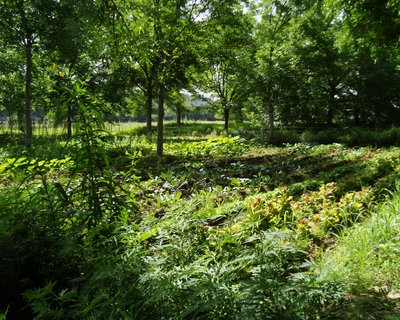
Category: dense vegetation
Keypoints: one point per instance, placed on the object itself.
(288, 212)
(286, 63)
(219, 228)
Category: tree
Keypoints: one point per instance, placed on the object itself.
(270, 34)
(23, 23)
(160, 36)
(229, 59)
(32, 26)
(179, 102)
(317, 67)
(76, 42)
(12, 85)
(227, 83)
(370, 35)
(132, 48)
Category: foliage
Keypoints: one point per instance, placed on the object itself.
(366, 258)
(282, 137)
(55, 208)
(213, 147)
(366, 253)
(220, 229)
(94, 225)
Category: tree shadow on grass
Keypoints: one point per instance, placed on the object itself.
(370, 306)
(300, 170)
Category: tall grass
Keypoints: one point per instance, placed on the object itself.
(367, 255)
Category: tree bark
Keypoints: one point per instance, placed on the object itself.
(160, 120)
(270, 102)
(178, 117)
(226, 118)
(271, 111)
(28, 43)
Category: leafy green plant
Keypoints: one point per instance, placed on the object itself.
(42, 242)
(220, 147)
(61, 207)
(279, 289)
(3, 316)
(366, 254)
(327, 136)
(319, 212)
(384, 137)
(273, 210)
(282, 137)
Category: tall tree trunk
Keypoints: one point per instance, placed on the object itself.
(160, 120)
(226, 118)
(28, 42)
(149, 106)
(28, 91)
(270, 102)
(271, 112)
(178, 116)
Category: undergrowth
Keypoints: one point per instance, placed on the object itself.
(367, 253)
(220, 228)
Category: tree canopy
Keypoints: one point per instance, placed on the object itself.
(286, 63)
